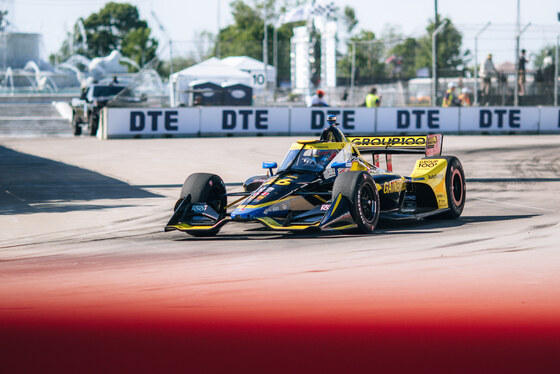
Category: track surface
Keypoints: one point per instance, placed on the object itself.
(86, 269)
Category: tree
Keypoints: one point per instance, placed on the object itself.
(407, 51)
(245, 35)
(369, 59)
(117, 26)
(449, 54)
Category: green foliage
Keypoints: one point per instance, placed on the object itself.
(117, 26)
(408, 51)
(138, 45)
(369, 59)
(244, 37)
(538, 61)
(449, 55)
(350, 20)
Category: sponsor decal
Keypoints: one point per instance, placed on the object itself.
(419, 141)
(393, 186)
(406, 118)
(325, 206)
(244, 118)
(500, 118)
(138, 120)
(427, 164)
(199, 208)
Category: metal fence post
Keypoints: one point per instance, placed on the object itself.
(476, 63)
(434, 61)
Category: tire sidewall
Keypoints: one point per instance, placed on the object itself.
(454, 171)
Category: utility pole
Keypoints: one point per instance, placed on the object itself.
(476, 62)
(218, 33)
(434, 53)
(434, 61)
(164, 31)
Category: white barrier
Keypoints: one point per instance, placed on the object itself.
(549, 120)
(216, 121)
(149, 122)
(499, 119)
(244, 121)
(417, 120)
(314, 120)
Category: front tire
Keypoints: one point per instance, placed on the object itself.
(205, 188)
(360, 190)
(455, 187)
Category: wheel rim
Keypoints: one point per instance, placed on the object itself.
(367, 202)
(457, 187)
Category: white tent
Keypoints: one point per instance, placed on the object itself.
(255, 68)
(211, 70)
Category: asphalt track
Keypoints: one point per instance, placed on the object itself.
(90, 283)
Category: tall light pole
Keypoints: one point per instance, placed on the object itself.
(218, 51)
(164, 31)
(517, 37)
(556, 68)
(434, 61)
(476, 62)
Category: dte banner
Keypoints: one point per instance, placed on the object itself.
(148, 122)
(314, 120)
(417, 120)
(499, 119)
(244, 120)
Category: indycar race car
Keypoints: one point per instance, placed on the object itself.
(328, 184)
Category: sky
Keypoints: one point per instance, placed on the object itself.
(185, 19)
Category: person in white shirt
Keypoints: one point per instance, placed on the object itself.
(487, 71)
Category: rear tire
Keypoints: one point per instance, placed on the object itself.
(360, 190)
(205, 188)
(93, 124)
(76, 125)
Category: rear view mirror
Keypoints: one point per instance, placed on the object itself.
(270, 166)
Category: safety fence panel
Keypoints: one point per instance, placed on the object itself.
(314, 120)
(244, 121)
(417, 120)
(499, 119)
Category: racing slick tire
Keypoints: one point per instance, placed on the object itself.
(76, 125)
(93, 124)
(455, 187)
(205, 188)
(360, 190)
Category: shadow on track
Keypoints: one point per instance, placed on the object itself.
(31, 184)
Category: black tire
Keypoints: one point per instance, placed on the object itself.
(360, 190)
(76, 125)
(93, 124)
(455, 187)
(205, 188)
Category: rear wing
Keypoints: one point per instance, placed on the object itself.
(430, 145)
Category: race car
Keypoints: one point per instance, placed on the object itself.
(328, 184)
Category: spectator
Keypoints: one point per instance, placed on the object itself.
(487, 71)
(317, 99)
(450, 98)
(522, 72)
(465, 97)
(372, 100)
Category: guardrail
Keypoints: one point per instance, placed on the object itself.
(230, 121)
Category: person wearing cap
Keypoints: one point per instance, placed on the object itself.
(318, 100)
(487, 71)
(450, 98)
(465, 97)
